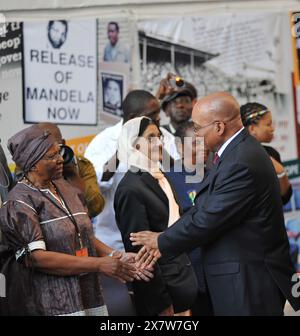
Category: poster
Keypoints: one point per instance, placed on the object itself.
(115, 46)
(10, 80)
(113, 86)
(115, 41)
(247, 55)
(60, 72)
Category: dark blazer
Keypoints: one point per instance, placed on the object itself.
(140, 204)
(238, 220)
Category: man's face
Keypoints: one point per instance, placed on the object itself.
(112, 34)
(180, 109)
(57, 33)
(204, 126)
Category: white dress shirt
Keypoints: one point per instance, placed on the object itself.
(99, 151)
(225, 144)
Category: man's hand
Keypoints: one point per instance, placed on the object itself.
(164, 87)
(147, 257)
(146, 238)
(144, 274)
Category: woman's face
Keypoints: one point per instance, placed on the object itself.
(50, 167)
(264, 130)
(150, 144)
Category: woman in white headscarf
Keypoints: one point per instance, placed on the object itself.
(144, 200)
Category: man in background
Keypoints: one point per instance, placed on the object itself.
(115, 51)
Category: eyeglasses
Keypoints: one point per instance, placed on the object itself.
(198, 128)
(54, 156)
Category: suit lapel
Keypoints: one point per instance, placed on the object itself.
(244, 133)
(210, 176)
(152, 183)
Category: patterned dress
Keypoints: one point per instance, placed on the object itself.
(42, 225)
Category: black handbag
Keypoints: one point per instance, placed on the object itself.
(17, 285)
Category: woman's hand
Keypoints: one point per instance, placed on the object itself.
(116, 268)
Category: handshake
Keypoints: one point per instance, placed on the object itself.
(149, 253)
(127, 266)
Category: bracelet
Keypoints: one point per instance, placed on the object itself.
(281, 174)
(112, 253)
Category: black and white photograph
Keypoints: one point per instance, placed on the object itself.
(112, 93)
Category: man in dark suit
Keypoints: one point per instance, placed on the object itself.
(237, 219)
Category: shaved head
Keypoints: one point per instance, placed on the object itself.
(217, 106)
(217, 118)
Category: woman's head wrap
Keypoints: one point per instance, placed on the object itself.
(28, 146)
(127, 153)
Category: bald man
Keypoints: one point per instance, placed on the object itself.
(237, 220)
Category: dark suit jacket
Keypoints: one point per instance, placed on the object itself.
(140, 204)
(238, 220)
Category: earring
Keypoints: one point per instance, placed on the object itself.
(137, 146)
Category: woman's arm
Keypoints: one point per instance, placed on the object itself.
(283, 178)
(66, 265)
(101, 248)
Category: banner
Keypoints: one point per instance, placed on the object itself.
(10, 79)
(60, 72)
(248, 55)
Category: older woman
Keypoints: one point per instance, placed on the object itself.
(144, 200)
(46, 225)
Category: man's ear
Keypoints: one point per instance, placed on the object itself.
(220, 128)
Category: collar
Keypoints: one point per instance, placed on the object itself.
(225, 144)
(172, 129)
